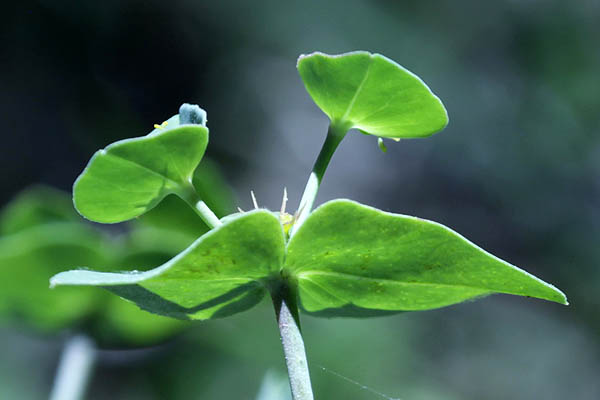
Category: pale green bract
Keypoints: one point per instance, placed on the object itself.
(347, 255)
(372, 93)
(131, 176)
(347, 259)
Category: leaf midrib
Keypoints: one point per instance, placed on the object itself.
(166, 178)
(358, 90)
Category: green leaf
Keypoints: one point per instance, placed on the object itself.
(224, 272)
(34, 206)
(350, 259)
(30, 257)
(131, 176)
(372, 93)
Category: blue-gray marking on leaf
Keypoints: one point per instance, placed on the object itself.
(192, 114)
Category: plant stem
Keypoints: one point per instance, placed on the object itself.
(335, 134)
(189, 194)
(288, 320)
(75, 366)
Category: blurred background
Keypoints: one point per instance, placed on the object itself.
(517, 171)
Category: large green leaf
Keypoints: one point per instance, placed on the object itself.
(224, 272)
(132, 176)
(350, 258)
(372, 93)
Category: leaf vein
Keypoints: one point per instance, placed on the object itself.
(166, 178)
(358, 90)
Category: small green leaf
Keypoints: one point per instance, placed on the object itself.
(372, 93)
(352, 258)
(132, 176)
(224, 272)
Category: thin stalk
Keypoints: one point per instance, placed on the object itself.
(74, 369)
(288, 320)
(335, 134)
(189, 194)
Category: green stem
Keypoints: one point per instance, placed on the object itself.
(189, 194)
(335, 134)
(288, 320)
(74, 369)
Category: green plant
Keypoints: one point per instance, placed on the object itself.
(341, 259)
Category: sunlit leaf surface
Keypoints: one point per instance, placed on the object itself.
(224, 272)
(372, 93)
(347, 259)
(132, 176)
(351, 257)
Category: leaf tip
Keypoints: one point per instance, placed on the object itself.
(55, 281)
(562, 298)
(301, 57)
(554, 294)
(70, 278)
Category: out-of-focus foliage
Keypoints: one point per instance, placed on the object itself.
(274, 387)
(38, 205)
(47, 238)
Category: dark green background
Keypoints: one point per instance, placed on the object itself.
(517, 171)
